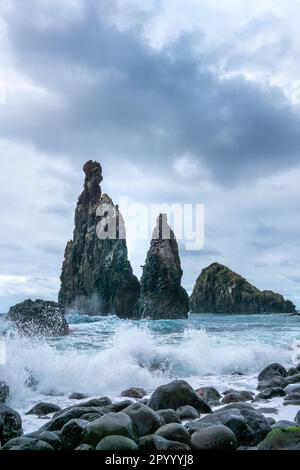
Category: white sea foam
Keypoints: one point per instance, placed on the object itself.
(133, 356)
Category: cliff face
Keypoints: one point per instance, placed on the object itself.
(97, 277)
(220, 290)
(161, 293)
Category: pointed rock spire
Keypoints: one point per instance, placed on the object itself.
(97, 277)
(162, 295)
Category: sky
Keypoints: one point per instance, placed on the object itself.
(181, 102)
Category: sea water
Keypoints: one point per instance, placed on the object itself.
(102, 356)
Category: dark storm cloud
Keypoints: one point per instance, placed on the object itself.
(110, 93)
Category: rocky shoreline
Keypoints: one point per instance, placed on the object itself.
(175, 417)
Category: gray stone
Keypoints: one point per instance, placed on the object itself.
(25, 443)
(168, 416)
(108, 425)
(38, 318)
(214, 438)
(144, 419)
(10, 424)
(71, 433)
(43, 409)
(174, 432)
(155, 443)
(119, 443)
(176, 394)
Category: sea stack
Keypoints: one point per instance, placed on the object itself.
(97, 277)
(162, 296)
(220, 290)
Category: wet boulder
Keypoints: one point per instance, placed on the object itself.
(187, 412)
(134, 392)
(271, 371)
(117, 443)
(214, 438)
(38, 318)
(26, 443)
(144, 419)
(282, 439)
(10, 424)
(110, 424)
(168, 416)
(176, 394)
(209, 394)
(174, 432)
(154, 443)
(43, 409)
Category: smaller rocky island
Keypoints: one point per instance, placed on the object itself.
(162, 295)
(38, 318)
(220, 290)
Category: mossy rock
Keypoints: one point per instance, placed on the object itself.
(282, 439)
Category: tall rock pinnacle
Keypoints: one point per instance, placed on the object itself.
(161, 293)
(97, 277)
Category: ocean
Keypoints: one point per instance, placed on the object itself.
(104, 355)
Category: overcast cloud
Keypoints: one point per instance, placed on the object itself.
(194, 101)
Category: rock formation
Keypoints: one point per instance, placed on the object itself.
(39, 318)
(220, 290)
(97, 277)
(161, 293)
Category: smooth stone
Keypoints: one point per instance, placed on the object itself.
(78, 396)
(168, 416)
(209, 394)
(121, 405)
(116, 443)
(271, 371)
(270, 411)
(10, 424)
(214, 438)
(293, 379)
(248, 424)
(144, 419)
(71, 433)
(84, 447)
(50, 437)
(176, 394)
(58, 422)
(273, 382)
(134, 392)
(43, 409)
(271, 421)
(270, 393)
(174, 432)
(292, 389)
(284, 424)
(235, 397)
(90, 417)
(108, 425)
(154, 443)
(25, 443)
(187, 412)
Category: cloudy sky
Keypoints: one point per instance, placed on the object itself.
(193, 101)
